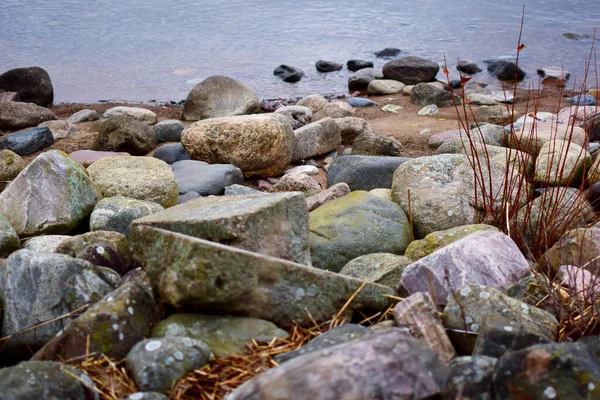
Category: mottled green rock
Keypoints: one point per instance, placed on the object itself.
(382, 268)
(10, 165)
(354, 225)
(224, 335)
(52, 195)
(117, 213)
(208, 276)
(436, 240)
(468, 308)
(9, 240)
(561, 163)
(271, 224)
(114, 325)
(142, 178)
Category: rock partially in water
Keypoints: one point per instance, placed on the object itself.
(288, 73)
(355, 65)
(328, 66)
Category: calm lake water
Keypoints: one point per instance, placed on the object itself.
(139, 50)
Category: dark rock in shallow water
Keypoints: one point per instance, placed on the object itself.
(288, 73)
(506, 70)
(388, 52)
(28, 141)
(328, 66)
(33, 85)
(468, 67)
(355, 65)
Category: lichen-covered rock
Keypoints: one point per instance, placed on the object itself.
(487, 258)
(10, 165)
(125, 134)
(354, 225)
(45, 243)
(9, 240)
(436, 240)
(561, 163)
(224, 335)
(260, 144)
(40, 287)
(202, 275)
(141, 114)
(271, 224)
(382, 268)
(387, 365)
(471, 378)
(117, 213)
(155, 364)
(316, 138)
(53, 194)
(142, 178)
(112, 326)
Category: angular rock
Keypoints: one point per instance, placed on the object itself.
(32, 84)
(53, 194)
(374, 144)
(40, 287)
(361, 79)
(117, 213)
(506, 70)
(28, 141)
(60, 128)
(88, 157)
(297, 183)
(382, 268)
(354, 225)
(387, 365)
(430, 109)
(10, 165)
(561, 163)
(364, 172)
(171, 153)
(244, 283)
(351, 128)
(317, 138)
(219, 96)
(204, 179)
(260, 144)
(236, 190)
(483, 258)
(335, 109)
(471, 378)
(125, 134)
(288, 73)
(355, 65)
(274, 224)
(142, 178)
(141, 114)
(224, 335)
(411, 70)
(333, 192)
(418, 313)
(297, 116)
(84, 115)
(9, 240)
(418, 249)
(169, 130)
(424, 94)
(147, 361)
(315, 102)
(328, 66)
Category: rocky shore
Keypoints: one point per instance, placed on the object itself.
(445, 263)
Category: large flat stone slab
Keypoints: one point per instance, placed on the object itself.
(275, 224)
(209, 277)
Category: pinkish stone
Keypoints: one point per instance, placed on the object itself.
(580, 281)
(336, 191)
(88, 157)
(438, 139)
(6, 97)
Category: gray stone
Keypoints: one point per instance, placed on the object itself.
(45, 243)
(180, 355)
(316, 138)
(351, 128)
(297, 183)
(339, 334)
(374, 144)
(117, 213)
(385, 86)
(297, 116)
(15, 115)
(333, 192)
(424, 94)
(10, 165)
(360, 79)
(354, 225)
(490, 134)
(112, 326)
(335, 109)
(84, 116)
(561, 163)
(40, 287)
(303, 169)
(141, 114)
(187, 197)
(32, 84)
(169, 130)
(219, 96)
(183, 271)
(471, 378)
(483, 258)
(204, 179)
(364, 172)
(411, 70)
(9, 240)
(171, 153)
(360, 102)
(53, 194)
(44, 381)
(60, 128)
(124, 133)
(142, 178)
(261, 144)
(499, 114)
(386, 365)
(382, 268)
(28, 141)
(315, 102)
(224, 335)
(274, 224)
(88, 157)
(236, 190)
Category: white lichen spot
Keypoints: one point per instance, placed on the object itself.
(127, 301)
(465, 291)
(100, 250)
(299, 295)
(153, 345)
(468, 320)
(130, 310)
(549, 392)
(377, 266)
(178, 355)
(121, 336)
(508, 328)
(137, 396)
(115, 327)
(169, 360)
(109, 298)
(591, 386)
(188, 342)
(59, 333)
(474, 327)
(525, 308)
(485, 295)
(312, 290)
(450, 213)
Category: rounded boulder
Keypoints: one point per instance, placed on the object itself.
(411, 70)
